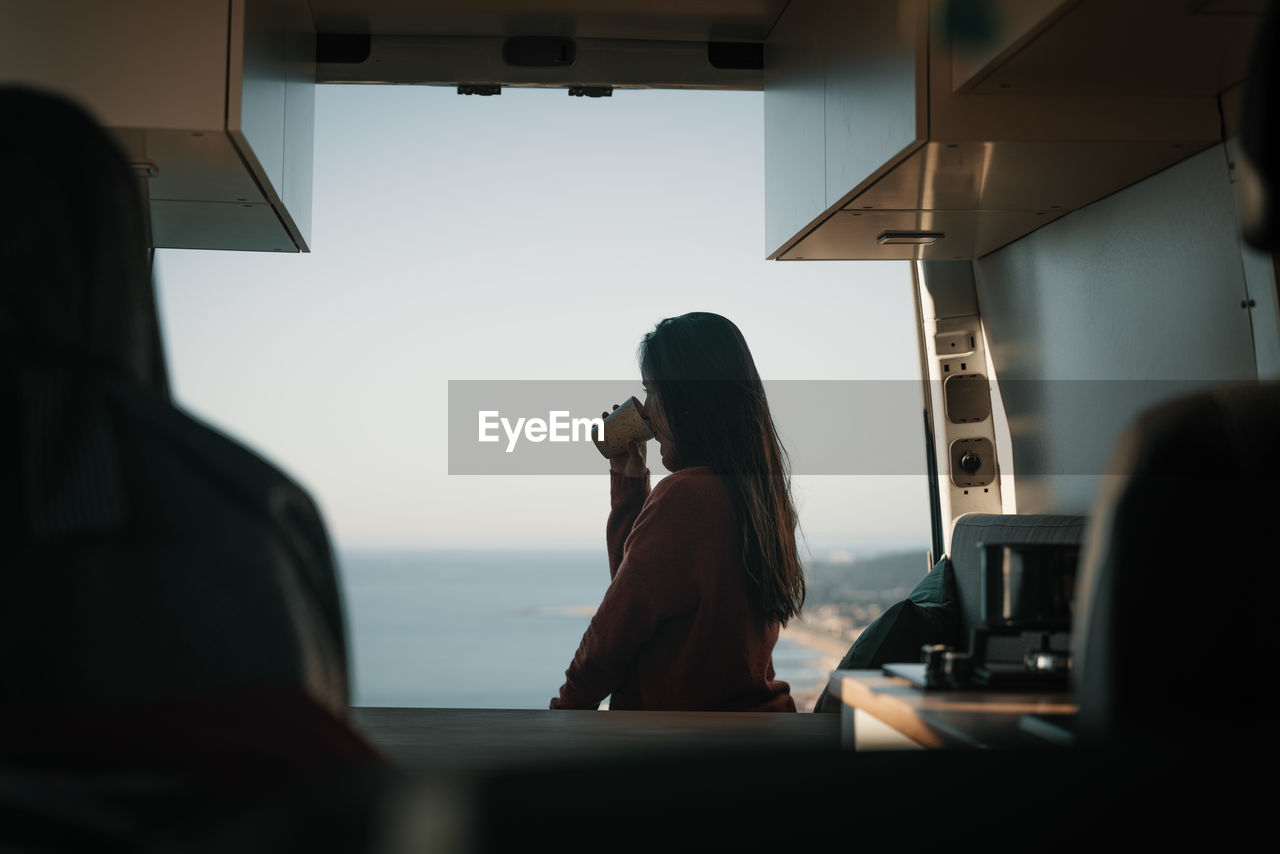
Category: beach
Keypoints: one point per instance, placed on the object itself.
(824, 654)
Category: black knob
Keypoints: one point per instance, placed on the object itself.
(970, 462)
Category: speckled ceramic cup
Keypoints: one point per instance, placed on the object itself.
(623, 424)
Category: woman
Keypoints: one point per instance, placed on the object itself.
(704, 567)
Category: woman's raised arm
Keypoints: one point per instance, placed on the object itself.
(653, 584)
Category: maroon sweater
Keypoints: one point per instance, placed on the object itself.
(676, 629)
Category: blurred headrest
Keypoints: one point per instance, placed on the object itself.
(75, 279)
(1259, 139)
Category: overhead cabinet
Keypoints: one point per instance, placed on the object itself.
(893, 131)
(215, 99)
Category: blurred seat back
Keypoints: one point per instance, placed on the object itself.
(148, 559)
(1175, 623)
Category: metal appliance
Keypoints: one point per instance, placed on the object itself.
(1028, 598)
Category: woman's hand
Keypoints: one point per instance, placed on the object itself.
(631, 463)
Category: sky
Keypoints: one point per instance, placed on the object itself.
(525, 236)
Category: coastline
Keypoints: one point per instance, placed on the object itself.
(814, 639)
(827, 647)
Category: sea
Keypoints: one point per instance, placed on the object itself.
(485, 629)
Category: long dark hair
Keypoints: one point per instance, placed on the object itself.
(699, 367)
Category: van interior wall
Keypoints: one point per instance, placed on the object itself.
(1130, 301)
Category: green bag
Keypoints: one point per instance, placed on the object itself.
(930, 614)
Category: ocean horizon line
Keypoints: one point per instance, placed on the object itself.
(866, 549)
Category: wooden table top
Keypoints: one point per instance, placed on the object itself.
(493, 739)
(948, 717)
